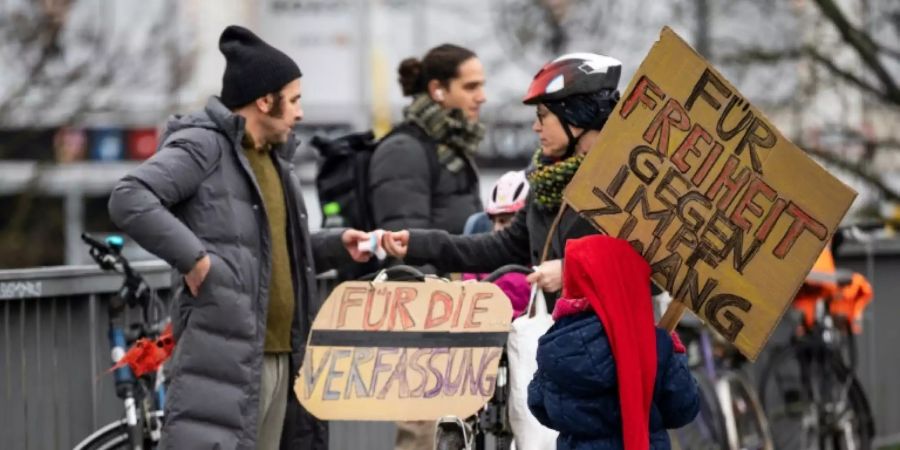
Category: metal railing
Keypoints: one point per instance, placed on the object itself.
(54, 353)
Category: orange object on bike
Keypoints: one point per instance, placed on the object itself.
(852, 301)
(820, 283)
(146, 356)
(849, 300)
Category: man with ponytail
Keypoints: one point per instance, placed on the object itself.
(423, 175)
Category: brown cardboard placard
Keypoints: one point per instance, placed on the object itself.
(404, 351)
(729, 213)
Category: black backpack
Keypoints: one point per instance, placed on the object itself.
(342, 180)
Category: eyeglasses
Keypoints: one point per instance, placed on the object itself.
(541, 113)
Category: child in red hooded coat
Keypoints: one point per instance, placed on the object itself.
(617, 382)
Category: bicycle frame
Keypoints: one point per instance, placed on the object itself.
(825, 340)
(143, 398)
(826, 399)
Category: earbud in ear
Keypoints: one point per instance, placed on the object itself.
(439, 94)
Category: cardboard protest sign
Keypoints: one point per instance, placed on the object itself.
(729, 213)
(404, 351)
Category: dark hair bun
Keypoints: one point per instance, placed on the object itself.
(410, 72)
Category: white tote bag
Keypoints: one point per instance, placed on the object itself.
(521, 350)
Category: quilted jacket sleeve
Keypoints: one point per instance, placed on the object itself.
(536, 400)
(679, 399)
(140, 203)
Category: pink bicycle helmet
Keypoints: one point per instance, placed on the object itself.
(509, 194)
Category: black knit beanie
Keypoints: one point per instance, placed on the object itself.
(253, 68)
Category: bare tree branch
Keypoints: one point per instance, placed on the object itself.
(892, 144)
(845, 74)
(890, 52)
(857, 169)
(865, 47)
(756, 55)
(76, 88)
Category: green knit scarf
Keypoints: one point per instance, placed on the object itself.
(548, 180)
(456, 136)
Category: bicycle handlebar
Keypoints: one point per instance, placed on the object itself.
(403, 272)
(104, 255)
(503, 270)
(400, 272)
(134, 289)
(93, 242)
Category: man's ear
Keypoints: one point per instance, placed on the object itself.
(264, 103)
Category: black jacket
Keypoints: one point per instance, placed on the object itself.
(405, 195)
(521, 243)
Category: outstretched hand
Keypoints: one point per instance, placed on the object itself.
(396, 243)
(351, 239)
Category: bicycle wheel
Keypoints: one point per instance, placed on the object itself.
(848, 418)
(114, 436)
(750, 429)
(814, 402)
(707, 431)
(449, 439)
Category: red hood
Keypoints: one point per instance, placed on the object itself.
(616, 281)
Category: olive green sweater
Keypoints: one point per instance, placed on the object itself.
(281, 287)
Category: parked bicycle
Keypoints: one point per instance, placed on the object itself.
(810, 392)
(142, 396)
(731, 416)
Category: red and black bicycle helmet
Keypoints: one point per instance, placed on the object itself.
(572, 74)
(580, 89)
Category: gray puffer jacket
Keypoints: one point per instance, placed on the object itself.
(198, 194)
(403, 193)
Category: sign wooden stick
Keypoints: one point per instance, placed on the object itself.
(672, 315)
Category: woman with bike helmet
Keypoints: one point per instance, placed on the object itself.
(573, 96)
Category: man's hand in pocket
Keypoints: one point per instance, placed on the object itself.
(195, 277)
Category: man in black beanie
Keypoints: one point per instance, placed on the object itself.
(221, 203)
